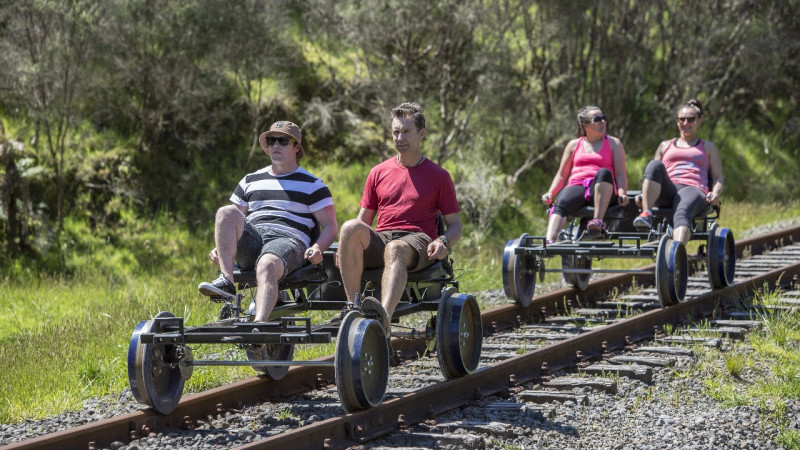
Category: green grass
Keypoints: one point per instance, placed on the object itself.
(763, 371)
(64, 336)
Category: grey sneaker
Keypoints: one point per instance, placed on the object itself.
(221, 287)
(644, 220)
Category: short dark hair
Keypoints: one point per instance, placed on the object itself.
(409, 109)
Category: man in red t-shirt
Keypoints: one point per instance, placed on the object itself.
(407, 192)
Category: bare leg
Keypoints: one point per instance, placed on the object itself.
(228, 228)
(268, 272)
(554, 226)
(682, 233)
(650, 192)
(353, 240)
(602, 197)
(397, 258)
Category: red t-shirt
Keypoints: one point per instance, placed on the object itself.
(409, 198)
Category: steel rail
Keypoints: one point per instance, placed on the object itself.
(427, 402)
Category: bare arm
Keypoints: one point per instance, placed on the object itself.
(564, 169)
(620, 170)
(453, 230)
(660, 150)
(367, 215)
(716, 181)
(327, 221)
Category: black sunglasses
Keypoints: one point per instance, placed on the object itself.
(596, 119)
(282, 140)
(688, 119)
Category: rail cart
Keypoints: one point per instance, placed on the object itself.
(524, 258)
(160, 356)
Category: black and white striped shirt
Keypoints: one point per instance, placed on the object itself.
(283, 202)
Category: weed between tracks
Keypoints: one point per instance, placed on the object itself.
(762, 372)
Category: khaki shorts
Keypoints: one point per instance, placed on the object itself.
(373, 255)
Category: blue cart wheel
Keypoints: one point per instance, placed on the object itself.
(271, 352)
(721, 257)
(459, 335)
(579, 280)
(153, 370)
(519, 272)
(362, 362)
(672, 273)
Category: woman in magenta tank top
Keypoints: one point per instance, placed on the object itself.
(685, 174)
(592, 172)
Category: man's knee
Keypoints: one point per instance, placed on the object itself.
(399, 251)
(354, 230)
(227, 213)
(270, 268)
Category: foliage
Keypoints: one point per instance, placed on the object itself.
(157, 105)
(762, 371)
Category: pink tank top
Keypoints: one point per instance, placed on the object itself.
(687, 166)
(585, 165)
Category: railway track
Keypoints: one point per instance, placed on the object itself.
(559, 332)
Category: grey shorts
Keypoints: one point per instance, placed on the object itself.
(373, 255)
(256, 241)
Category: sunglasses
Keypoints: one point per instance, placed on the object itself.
(282, 140)
(688, 119)
(596, 119)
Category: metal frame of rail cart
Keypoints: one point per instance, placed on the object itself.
(160, 353)
(524, 257)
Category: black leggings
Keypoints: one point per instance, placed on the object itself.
(572, 198)
(687, 201)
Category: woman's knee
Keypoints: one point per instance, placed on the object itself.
(654, 171)
(604, 176)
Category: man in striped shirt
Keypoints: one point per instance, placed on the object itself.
(271, 224)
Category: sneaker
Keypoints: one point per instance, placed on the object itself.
(596, 225)
(221, 287)
(644, 220)
(372, 309)
(251, 310)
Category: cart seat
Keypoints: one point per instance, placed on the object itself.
(435, 271)
(614, 212)
(303, 276)
(669, 211)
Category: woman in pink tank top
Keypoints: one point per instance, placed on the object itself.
(593, 170)
(681, 174)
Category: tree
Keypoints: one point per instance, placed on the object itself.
(52, 44)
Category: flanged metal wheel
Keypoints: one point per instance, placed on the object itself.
(271, 352)
(519, 272)
(154, 371)
(459, 334)
(362, 362)
(721, 257)
(672, 274)
(579, 280)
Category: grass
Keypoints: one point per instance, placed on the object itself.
(64, 338)
(762, 372)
